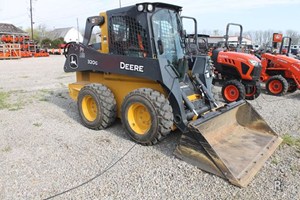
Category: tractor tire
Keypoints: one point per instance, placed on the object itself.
(146, 116)
(97, 106)
(292, 86)
(233, 90)
(253, 92)
(277, 85)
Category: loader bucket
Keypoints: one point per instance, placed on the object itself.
(232, 142)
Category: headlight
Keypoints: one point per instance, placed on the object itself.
(150, 7)
(253, 62)
(140, 7)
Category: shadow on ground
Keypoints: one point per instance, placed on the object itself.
(295, 95)
(288, 95)
(61, 98)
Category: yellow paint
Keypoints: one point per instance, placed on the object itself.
(89, 108)
(139, 118)
(120, 85)
(194, 97)
(195, 117)
(74, 89)
(104, 34)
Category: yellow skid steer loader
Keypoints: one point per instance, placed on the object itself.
(141, 74)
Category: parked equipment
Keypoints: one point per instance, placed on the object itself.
(19, 46)
(237, 72)
(201, 48)
(9, 51)
(41, 53)
(280, 72)
(141, 75)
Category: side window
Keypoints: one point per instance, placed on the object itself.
(127, 37)
(120, 30)
(164, 31)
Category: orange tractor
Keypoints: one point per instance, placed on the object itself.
(280, 72)
(237, 72)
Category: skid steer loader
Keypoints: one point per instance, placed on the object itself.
(140, 75)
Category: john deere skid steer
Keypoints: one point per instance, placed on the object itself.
(141, 75)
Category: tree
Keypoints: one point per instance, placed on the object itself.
(261, 37)
(216, 32)
(46, 43)
(57, 42)
(294, 35)
(38, 33)
(42, 29)
(267, 37)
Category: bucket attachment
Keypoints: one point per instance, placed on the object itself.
(232, 142)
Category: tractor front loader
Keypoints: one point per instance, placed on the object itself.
(141, 75)
(280, 72)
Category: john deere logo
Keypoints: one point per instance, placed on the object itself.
(73, 61)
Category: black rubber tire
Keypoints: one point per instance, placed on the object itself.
(292, 89)
(105, 103)
(160, 112)
(292, 86)
(256, 94)
(238, 85)
(283, 82)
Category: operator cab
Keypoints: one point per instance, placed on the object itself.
(131, 33)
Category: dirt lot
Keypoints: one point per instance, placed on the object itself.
(45, 152)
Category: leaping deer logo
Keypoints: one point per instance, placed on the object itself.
(73, 61)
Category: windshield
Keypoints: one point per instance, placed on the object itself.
(166, 29)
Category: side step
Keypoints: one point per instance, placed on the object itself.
(233, 142)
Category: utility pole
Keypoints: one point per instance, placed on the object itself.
(120, 3)
(31, 19)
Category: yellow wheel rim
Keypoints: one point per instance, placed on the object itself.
(139, 118)
(89, 108)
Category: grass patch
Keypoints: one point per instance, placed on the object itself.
(291, 141)
(61, 77)
(295, 169)
(6, 149)
(275, 161)
(44, 94)
(37, 124)
(16, 91)
(44, 91)
(16, 106)
(11, 100)
(43, 99)
(60, 95)
(4, 100)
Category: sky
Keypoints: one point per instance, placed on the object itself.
(276, 15)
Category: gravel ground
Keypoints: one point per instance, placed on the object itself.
(45, 152)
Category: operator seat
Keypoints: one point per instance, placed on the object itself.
(214, 58)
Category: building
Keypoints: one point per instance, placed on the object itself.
(69, 34)
(10, 29)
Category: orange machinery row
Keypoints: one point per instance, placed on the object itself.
(14, 46)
